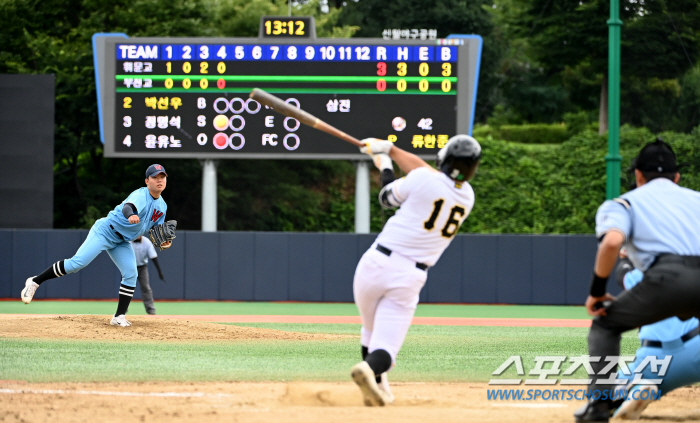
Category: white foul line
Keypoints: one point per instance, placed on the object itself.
(123, 394)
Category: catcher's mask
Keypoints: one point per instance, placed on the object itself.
(459, 158)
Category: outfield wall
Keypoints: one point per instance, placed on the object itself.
(282, 266)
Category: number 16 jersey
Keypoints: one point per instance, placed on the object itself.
(433, 207)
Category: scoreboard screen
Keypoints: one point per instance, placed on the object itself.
(189, 97)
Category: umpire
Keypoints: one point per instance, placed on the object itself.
(659, 225)
(144, 250)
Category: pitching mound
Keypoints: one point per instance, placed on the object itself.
(144, 328)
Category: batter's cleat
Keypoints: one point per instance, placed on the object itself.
(384, 386)
(638, 398)
(364, 377)
(593, 411)
(120, 321)
(29, 289)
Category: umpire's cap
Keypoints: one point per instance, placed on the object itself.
(155, 169)
(459, 158)
(658, 157)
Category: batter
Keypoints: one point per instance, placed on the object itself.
(388, 279)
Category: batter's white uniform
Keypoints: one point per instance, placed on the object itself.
(386, 287)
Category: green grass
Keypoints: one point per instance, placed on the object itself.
(283, 308)
(431, 353)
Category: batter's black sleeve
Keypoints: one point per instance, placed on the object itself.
(387, 177)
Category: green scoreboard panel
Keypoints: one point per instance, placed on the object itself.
(188, 97)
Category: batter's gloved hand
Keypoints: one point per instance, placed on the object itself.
(162, 235)
(383, 161)
(375, 146)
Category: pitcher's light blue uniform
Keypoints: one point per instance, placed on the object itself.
(685, 364)
(113, 233)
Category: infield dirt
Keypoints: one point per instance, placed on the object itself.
(120, 402)
(291, 402)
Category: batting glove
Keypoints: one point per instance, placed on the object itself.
(383, 161)
(375, 146)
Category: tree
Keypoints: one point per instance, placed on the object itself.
(54, 36)
(241, 18)
(447, 16)
(570, 40)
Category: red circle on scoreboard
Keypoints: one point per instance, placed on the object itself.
(221, 84)
(220, 141)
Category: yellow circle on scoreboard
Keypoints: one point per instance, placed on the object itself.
(220, 122)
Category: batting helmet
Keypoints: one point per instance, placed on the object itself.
(459, 158)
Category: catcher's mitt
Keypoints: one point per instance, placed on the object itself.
(163, 234)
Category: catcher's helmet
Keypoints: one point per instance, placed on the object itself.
(459, 158)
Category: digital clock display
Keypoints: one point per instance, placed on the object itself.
(189, 98)
(287, 27)
(291, 28)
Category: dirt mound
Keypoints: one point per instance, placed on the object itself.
(144, 328)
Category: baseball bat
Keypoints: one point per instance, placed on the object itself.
(306, 118)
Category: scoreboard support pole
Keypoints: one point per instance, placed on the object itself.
(209, 195)
(362, 217)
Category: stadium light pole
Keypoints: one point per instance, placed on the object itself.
(362, 197)
(209, 195)
(613, 158)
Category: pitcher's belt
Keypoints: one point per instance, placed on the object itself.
(118, 234)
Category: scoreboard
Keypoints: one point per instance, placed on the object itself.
(188, 97)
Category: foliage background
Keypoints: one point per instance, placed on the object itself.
(543, 63)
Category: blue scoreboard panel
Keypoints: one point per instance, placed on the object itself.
(189, 97)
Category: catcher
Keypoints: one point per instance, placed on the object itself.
(143, 211)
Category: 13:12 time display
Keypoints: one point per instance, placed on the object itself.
(280, 27)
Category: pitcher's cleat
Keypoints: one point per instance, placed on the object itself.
(364, 377)
(29, 289)
(638, 398)
(120, 321)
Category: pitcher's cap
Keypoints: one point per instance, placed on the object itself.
(155, 169)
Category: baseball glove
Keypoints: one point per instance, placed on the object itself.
(163, 234)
